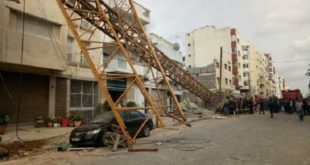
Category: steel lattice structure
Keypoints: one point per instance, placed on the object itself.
(118, 20)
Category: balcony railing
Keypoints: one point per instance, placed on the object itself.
(234, 57)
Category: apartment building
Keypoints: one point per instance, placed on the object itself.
(172, 50)
(203, 49)
(246, 70)
(254, 73)
(47, 75)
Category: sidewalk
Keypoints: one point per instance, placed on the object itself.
(29, 133)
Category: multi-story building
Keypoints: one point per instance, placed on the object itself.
(245, 69)
(203, 49)
(271, 89)
(253, 75)
(42, 70)
(172, 50)
(280, 85)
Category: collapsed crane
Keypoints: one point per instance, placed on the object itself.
(118, 20)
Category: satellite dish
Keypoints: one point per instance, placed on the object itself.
(176, 46)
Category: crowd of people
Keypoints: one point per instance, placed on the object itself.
(234, 106)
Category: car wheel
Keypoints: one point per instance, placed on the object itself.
(146, 131)
(104, 140)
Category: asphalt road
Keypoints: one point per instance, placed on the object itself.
(247, 139)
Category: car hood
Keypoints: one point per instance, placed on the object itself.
(87, 127)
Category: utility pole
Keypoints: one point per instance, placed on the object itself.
(221, 68)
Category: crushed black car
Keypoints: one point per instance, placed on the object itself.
(94, 132)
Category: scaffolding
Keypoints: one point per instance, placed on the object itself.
(124, 36)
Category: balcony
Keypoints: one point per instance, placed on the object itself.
(236, 82)
(233, 31)
(233, 44)
(235, 70)
(143, 13)
(234, 57)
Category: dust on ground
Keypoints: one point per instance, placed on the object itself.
(21, 149)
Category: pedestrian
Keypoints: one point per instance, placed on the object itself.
(271, 107)
(304, 107)
(299, 109)
(225, 108)
(232, 106)
(261, 106)
(291, 109)
(250, 105)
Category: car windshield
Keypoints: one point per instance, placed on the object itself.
(104, 117)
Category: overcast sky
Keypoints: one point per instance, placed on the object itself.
(279, 27)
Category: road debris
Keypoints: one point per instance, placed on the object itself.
(142, 149)
(81, 149)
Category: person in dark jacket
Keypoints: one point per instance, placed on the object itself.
(271, 107)
(250, 105)
(225, 108)
(304, 106)
(261, 106)
(232, 106)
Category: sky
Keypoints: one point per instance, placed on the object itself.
(279, 27)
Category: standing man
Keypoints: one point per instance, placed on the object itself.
(261, 106)
(225, 108)
(300, 110)
(250, 103)
(271, 106)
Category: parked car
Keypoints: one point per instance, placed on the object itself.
(94, 133)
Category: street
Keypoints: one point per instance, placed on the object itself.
(246, 139)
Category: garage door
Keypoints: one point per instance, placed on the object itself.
(33, 94)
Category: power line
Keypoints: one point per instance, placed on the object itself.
(20, 74)
(292, 61)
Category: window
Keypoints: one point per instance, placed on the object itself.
(217, 65)
(83, 97)
(245, 57)
(229, 82)
(245, 65)
(189, 55)
(85, 24)
(234, 50)
(70, 49)
(244, 48)
(189, 66)
(245, 83)
(188, 45)
(105, 55)
(36, 27)
(225, 66)
(245, 74)
(122, 63)
(183, 59)
(229, 68)
(233, 38)
(83, 62)
(226, 81)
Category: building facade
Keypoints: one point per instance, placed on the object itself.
(42, 70)
(203, 49)
(245, 70)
